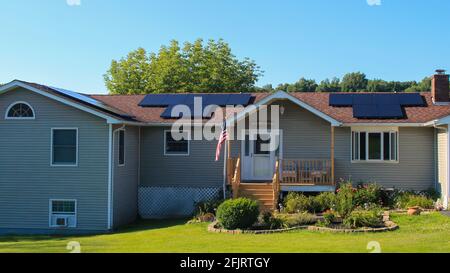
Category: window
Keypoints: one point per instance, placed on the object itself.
(374, 146)
(121, 147)
(64, 147)
(20, 110)
(63, 213)
(176, 147)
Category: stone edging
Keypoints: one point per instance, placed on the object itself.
(213, 228)
(389, 226)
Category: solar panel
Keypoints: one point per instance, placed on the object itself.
(88, 100)
(387, 105)
(341, 100)
(154, 100)
(239, 99)
(411, 99)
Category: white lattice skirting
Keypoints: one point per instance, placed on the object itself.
(165, 202)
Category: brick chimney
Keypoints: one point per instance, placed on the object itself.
(440, 87)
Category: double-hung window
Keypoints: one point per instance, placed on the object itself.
(176, 143)
(375, 146)
(64, 147)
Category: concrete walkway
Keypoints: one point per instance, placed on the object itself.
(446, 213)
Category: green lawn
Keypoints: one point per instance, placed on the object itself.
(426, 233)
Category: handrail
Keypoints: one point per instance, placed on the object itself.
(276, 184)
(307, 171)
(236, 181)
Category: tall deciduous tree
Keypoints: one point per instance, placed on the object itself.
(333, 85)
(195, 67)
(354, 82)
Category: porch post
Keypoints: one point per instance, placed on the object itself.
(332, 154)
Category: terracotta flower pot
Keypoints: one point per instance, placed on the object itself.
(414, 211)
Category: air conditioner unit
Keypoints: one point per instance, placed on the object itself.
(63, 221)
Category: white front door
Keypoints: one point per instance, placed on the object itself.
(259, 153)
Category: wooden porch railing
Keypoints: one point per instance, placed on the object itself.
(276, 185)
(231, 167)
(236, 180)
(307, 172)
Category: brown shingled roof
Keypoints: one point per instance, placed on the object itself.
(320, 101)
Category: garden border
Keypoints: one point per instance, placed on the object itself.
(389, 226)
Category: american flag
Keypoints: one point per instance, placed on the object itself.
(222, 139)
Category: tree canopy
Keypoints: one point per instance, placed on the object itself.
(195, 67)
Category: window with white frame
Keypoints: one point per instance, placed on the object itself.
(20, 110)
(63, 213)
(121, 147)
(375, 146)
(176, 144)
(64, 147)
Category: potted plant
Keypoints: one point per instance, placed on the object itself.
(414, 210)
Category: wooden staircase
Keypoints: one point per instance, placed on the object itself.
(265, 193)
(262, 192)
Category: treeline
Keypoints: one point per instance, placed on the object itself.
(351, 82)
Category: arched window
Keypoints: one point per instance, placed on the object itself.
(20, 110)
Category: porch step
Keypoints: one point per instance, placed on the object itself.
(261, 192)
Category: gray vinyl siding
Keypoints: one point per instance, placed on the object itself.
(415, 170)
(126, 177)
(305, 135)
(442, 158)
(198, 169)
(27, 181)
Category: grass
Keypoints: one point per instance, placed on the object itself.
(426, 233)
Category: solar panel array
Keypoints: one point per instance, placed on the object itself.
(377, 105)
(170, 101)
(88, 100)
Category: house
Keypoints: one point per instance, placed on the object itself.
(79, 163)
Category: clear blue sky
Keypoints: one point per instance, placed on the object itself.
(71, 46)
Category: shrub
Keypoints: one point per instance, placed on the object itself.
(364, 218)
(205, 207)
(239, 213)
(295, 203)
(344, 199)
(431, 193)
(328, 218)
(389, 198)
(277, 221)
(325, 201)
(366, 195)
(419, 201)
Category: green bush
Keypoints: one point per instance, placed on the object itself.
(239, 213)
(328, 218)
(366, 195)
(431, 193)
(205, 207)
(295, 203)
(417, 201)
(278, 221)
(325, 201)
(364, 218)
(344, 199)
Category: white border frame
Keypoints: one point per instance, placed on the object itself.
(51, 147)
(170, 154)
(50, 212)
(375, 130)
(18, 118)
(118, 147)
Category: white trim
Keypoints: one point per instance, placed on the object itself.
(110, 163)
(51, 147)
(447, 195)
(175, 154)
(388, 124)
(279, 95)
(373, 130)
(51, 213)
(10, 86)
(118, 148)
(19, 118)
